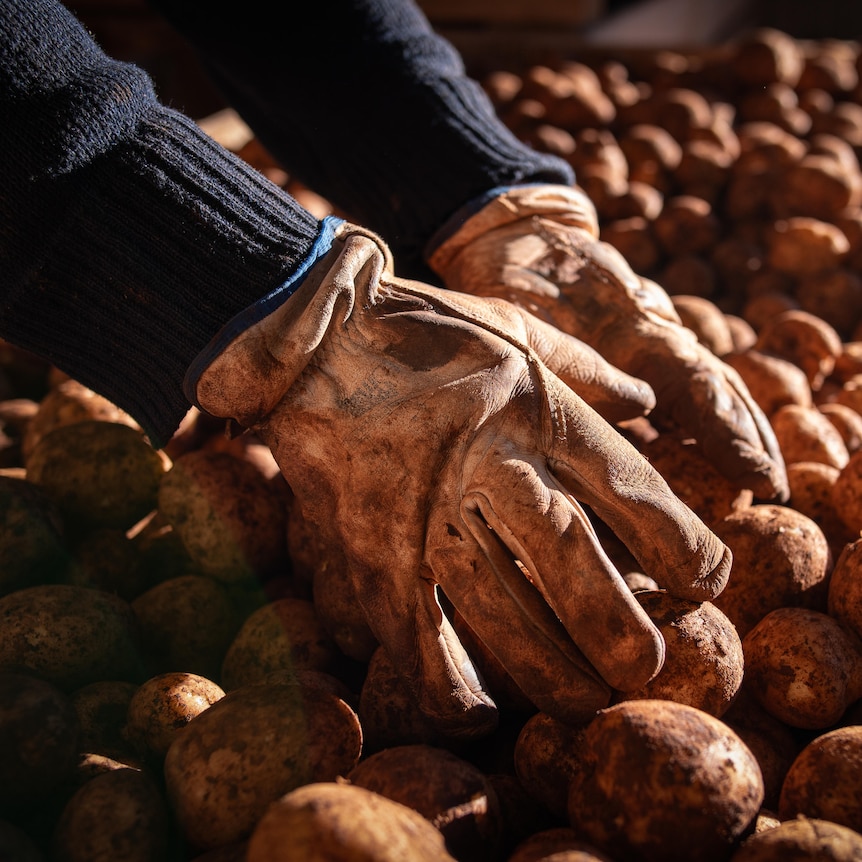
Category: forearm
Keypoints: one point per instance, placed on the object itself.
(363, 102)
(129, 239)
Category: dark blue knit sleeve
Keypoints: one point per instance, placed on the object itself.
(128, 238)
(367, 105)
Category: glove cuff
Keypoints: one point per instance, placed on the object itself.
(564, 204)
(249, 366)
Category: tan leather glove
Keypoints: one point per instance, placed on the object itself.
(538, 247)
(424, 432)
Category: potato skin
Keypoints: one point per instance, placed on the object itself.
(450, 792)
(339, 822)
(85, 635)
(119, 814)
(704, 661)
(39, 732)
(248, 749)
(655, 768)
(823, 782)
(802, 840)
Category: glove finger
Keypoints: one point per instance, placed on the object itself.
(613, 393)
(603, 470)
(552, 537)
(699, 393)
(405, 616)
(508, 614)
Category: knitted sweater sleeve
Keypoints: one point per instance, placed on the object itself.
(368, 106)
(128, 238)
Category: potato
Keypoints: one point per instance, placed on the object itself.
(161, 708)
(802, 840)
(69, 635)
(811, 493)
(226, 513)
(117, 815)
(105, 558)
(100, 474)
(559, 844)
(285, 634)
(847, 421)
(803, 339)
(803, 666)
(67, 403)
(101, 708)
(246, 750)
(766, 55)
(844, 599)
(847, 493)
(632, 237)
(823, 781)
(703, 664)
(450, 792)
(780, 558)
(388, 710)
(802, 245)
(338, 822)
(32, 540)
(39, 732)
(773, 743)
(834, 296)
(805, 434)
(548, 754)
(687, 224)
(771, 381)
(663, 780)
(706, 320)
(188, 623)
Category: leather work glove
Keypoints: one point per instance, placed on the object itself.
(538, 247)
(435, 439)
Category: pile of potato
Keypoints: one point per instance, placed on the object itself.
(171, 687)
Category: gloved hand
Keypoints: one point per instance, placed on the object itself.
(434, 438)
(539, 247)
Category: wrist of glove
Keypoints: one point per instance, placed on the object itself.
(539, 248)
(447, 443)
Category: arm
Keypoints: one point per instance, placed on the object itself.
(128, 237)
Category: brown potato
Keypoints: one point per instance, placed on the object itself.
(804, 339)
(844, 601)
(449, 791)
(102, 708)
(69, 635)
(847, 421)
(802, 840)
(706, 320)
(120, 814)
(162, 707)
(773, 743)
(653, 765)
(559, 844)
(823, 781)
(285, 634)
(765, 55)
(187, 622)
(246, 750)
(33, 546)
(803, 666)
(771, 381)
(338, 822)
(703, 666)
(100, 474)
(687, 224)
(780, 558)
(805, 434)
(67, 403)
(802, 245)
(39, 731)
(811, 489)
(847, 493)
(547, 756)
(229, 517)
